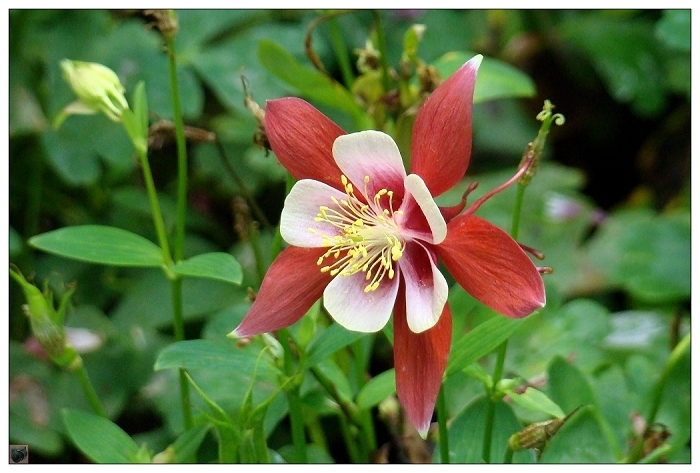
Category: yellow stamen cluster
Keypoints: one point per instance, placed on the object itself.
(369, 240)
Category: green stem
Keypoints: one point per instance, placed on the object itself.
(341, 54)
(503, 348)
(277, 239)
(442, 426)
(515, 225)
(179, 332)
(368, 436)
(181, 153)
(296, 416)
(254, 237)
(381, 47)
(181, 212)
(657, 394)
(354, 454)
(88, 389)
(508, 458)
(155, 208)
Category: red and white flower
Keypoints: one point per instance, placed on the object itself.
(368, 237)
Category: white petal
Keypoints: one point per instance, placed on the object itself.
(300, 210)
(370, 153)
(426, 288)
(356, 310)
(417, 193)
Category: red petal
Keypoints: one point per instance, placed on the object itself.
(302, 139)
(420, 360)
(442, 134)
(290, 287)
(491, 266)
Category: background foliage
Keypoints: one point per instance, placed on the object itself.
(610, 208)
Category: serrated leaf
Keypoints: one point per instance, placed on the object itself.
(495, 79)
(99, 438)
(480, 341)
(536, 401)
(101, 245)
(221, 266)
(377, 389)
(334, 338)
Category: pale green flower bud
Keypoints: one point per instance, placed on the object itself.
(46, 322)
(98, 90)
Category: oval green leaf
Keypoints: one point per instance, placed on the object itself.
(101, 245)
(209, 356)
(495, 80)
(330, 341)
(310, 82)
(377, 389)
(480, 341)
(221, 266)
(537, 401)
(99, 438)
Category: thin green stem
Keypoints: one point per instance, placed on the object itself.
(181, 213)
(155, 208)
(181, 152)
(296, 416)
(349, 441)
(442, 427)
(366, 416)
(179, 332)
(508, 457)
(657, 394)
(277, 239)
(515, 225)
(254, 238)
(341, 54)
(88, 389)
(381, 47)
(503, 348)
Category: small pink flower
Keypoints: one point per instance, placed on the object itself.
(367, 237)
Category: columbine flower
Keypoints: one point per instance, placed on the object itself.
(367, 237)
(98, 90)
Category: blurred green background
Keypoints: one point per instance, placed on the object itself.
(610, 207)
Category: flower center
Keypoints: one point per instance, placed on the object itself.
(368, 240)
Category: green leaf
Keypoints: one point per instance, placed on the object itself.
(221, 266)
(466, 434)
(495, 79)
(101, 245)
(480, 341)
(334, 338)
(536, 401)
(136, 121)
(208, 355)
(99, 438)
(625, 53)
(580, 440)
(647, 254)
(311, 83)
(570, 389)
(188, 443)
(674, 29)
(377, 389)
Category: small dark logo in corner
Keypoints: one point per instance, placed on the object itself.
(19, 454)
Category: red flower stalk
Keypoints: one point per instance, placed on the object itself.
(367, 237)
